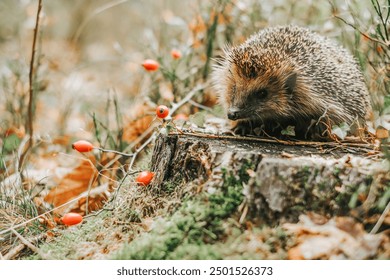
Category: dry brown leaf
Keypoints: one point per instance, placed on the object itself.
(295, 254)
(89, 201)
(50, 235)
(48, 222)
(209, 98)
(317, 218)
(72, 185)
(19, 132)
(140, 121)
(382, 133)
(374, 219)
(339, 238)
(197, 28)
(62, 140)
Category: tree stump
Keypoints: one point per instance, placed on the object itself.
(286, 179)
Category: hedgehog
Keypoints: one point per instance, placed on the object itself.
(290, 76)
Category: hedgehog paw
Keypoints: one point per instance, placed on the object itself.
(243, 128)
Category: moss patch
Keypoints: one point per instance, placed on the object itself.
(204, 227)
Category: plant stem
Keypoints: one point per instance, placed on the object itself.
(29, 121)
(211, 33)
(115, 152)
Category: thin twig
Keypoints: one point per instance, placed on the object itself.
(113, 197)
(210, 39)
(29, 244)
(379, 12)
(200, 106)
(191, 94)
(29, 121)
(15, 251)
(361, 32)
(334, 11)
(141, 137)
(22, 150)
(129, 147)
(147, 142)
(381, 219)
(115, 152)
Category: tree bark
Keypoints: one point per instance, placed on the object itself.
(286, 178)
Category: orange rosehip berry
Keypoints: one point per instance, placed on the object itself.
(144, 178)
(176, 54)
(82, 146)
(162, 111)
(71, 219)
(150, 65)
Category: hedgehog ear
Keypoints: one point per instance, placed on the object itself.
(291, 83)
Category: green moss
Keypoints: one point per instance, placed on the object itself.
(336, 171)
(198, 228)
(330, 195)
(170, 187)
(348, 199)
(303, 177)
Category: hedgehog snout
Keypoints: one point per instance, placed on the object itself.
(233, 113)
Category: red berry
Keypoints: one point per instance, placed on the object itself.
(150, 65)
(71, 219)
(162, 111)
(144, 178)
(176, 54)
(82, 146)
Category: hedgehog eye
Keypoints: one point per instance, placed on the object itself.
(257, 95)
(262, 93)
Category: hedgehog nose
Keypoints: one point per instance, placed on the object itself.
(233, 114)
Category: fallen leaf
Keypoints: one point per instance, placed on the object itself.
(382, 133)
(140, 120)
(295, 254)
(289, 131)
(374, 219)
(339, 238)
(317, 218)
(19, 132)
(82, 178)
